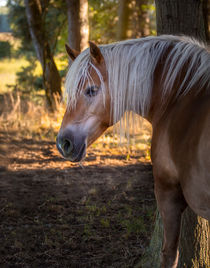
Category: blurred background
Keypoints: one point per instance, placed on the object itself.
(99, 213)
(33, 61)
(55, 213)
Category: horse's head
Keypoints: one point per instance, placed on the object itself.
(88, 115)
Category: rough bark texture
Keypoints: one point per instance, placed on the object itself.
(180, 17)
(123, 14)
(194, 246)
(194, 242)
(78, 27)
(51, 77)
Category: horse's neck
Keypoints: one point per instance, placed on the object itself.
(161, 105)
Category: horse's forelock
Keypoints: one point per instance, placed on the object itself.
(78, 74)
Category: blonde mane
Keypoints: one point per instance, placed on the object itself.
(131, 65)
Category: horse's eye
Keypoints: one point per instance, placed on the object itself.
(91, 91)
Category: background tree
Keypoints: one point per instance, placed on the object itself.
(182, 17)
(112, 20)
(143, 18)
(135, 19)
(19, 25)
(103, 18)
(78, 26)
(35, 12)
(47, 29)
(123, 20)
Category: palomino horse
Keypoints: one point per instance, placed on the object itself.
(165, 79)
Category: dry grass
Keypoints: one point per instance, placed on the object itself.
(32, 120)
(29, 119)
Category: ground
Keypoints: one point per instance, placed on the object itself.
(57, 214)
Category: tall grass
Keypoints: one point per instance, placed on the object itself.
(29, 119)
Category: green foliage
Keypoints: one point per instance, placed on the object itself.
(26, 79)
(103, 17)
(134, 225)
(54, 20)
(105, 222)
(5, 49)
(19, 26)
(24, 74)
(103, 20)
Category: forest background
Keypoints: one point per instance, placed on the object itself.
(43, 41)
(55, 213)
(39, 196)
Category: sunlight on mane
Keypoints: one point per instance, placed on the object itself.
(131, 65)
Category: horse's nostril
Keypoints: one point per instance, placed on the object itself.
(67, 146)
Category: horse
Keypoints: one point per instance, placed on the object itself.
(165, 79)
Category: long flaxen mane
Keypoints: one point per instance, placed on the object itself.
(131, 65)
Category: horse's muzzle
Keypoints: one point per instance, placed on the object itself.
(70, 148)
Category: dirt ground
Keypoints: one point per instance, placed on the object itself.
(54, 213)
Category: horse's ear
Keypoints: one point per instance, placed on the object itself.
(95, 53)
(71, 52)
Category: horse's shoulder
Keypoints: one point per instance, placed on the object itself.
(181, 137)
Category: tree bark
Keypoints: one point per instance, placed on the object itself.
(78, 27)
(194, 246)
(180, 17)
(51, 78)
(194, 249)
(123, 14)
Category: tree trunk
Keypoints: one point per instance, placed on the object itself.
(182, 17)
(78, 27)
(123, 14)
(194, 243)
(51, 77)
(144, 21)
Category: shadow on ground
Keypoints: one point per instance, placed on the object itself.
(57, 214)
